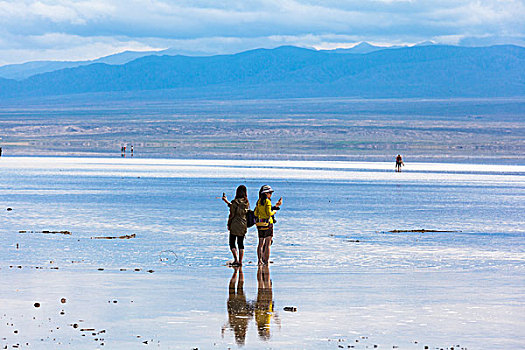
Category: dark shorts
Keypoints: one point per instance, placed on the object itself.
(266, 233)
(239, 239)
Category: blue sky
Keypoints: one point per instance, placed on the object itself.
(87, 29)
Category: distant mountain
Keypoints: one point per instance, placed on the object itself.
(425, 43)
(25, 70)
(128, 56)
(22, 71)
(363, 48)
(422, 71)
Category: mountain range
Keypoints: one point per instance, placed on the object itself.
(418, 71)
(22, 71)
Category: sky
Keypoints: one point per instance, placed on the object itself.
(88, 29)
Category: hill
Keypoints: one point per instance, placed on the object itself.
(422, 71)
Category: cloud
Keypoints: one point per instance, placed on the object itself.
(63, 47)
(220, 26)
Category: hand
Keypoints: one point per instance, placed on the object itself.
(279, 202)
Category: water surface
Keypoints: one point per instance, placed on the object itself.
(353, 282)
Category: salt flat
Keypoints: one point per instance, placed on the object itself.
(477, 130)
(353, 282)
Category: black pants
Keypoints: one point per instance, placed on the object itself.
(239, 239)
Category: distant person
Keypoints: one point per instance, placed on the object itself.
(264, 212)
(399, 163)
(122, 151)
(237, 223)
(132, 150)
(239, 310)
(0, 151)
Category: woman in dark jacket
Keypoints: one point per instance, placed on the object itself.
(237, 224)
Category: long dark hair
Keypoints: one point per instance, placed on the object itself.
(241, 192)
(262, 197)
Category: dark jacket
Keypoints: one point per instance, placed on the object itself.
(237, 219)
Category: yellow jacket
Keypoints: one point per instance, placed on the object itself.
(264, 214)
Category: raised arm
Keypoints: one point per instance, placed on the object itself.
(225, 200)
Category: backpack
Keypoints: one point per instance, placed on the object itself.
(250, 218)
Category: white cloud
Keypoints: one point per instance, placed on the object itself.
(55, 13)
(220, 26)
(64, 47)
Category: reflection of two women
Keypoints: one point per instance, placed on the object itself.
(240, 311)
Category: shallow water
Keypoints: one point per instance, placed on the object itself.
(353, 282)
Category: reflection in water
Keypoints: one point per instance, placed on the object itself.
(241, 311)
(264, 303)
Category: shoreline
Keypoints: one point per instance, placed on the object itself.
(512, 160)
(413, 166)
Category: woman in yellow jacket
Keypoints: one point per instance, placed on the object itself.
(264, 213)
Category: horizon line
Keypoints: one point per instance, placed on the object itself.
(379, 46)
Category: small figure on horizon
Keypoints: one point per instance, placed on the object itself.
(132, 150)
(122, 151)
(399, 163)
(0, 151)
